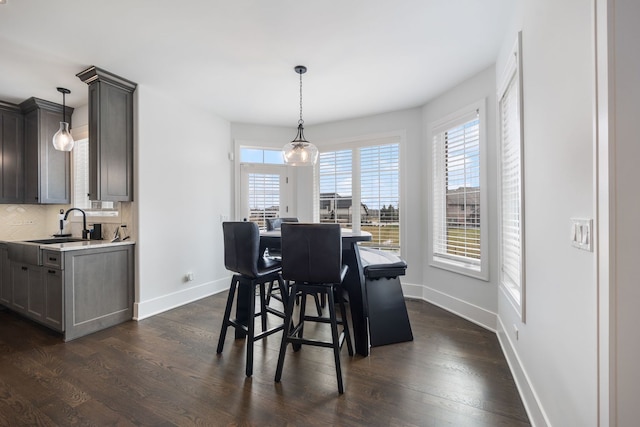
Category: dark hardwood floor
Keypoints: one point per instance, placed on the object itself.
(164, 371)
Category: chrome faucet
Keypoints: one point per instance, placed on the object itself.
(85, 232)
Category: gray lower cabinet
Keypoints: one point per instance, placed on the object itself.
(98, 289)
(28, 297)
(53, 284)
(6, 288)
(75, 292)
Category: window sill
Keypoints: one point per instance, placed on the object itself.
(460, 267)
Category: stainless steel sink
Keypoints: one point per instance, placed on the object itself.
(56, 240)
(29, 252)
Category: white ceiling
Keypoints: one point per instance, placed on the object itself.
(236, 57)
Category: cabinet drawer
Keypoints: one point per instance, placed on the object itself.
(52, 259)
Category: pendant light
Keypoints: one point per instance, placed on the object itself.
(300, 152)
(62, 140)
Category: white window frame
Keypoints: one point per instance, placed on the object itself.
(512, 265)
(394, 137)
(477, 269)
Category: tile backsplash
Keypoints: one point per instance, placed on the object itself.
(20, 222)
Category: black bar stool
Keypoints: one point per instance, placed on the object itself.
(312, 259)
(242, 256)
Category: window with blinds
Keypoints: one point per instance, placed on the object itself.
(367, 176)
(511, 188)
(380, 195)
(458, 199)
(264, 197)
(94, 208)
(336, 194)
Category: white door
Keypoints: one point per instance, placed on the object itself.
(264, 192)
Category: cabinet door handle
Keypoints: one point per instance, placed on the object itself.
(53, 259)
(24, 268)
(51, 271)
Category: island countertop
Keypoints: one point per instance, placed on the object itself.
(74, 246)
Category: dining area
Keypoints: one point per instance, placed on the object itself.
(279, 271)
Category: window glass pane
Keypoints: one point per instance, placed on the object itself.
(259, 155)
(456, 203)
(250, 155)
(380, 195)
(379, 191)
(264, 197)
(335, 187)
(273, 157)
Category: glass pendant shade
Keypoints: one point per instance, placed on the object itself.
(62, 140)
(300, 152)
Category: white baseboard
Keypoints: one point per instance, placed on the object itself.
(471, 312)
(537, 416)
(144, 309)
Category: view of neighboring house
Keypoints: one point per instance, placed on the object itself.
(334, 207)
(463, 207)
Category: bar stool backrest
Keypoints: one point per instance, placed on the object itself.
(241, 247)
(311, 252)
(276, 223)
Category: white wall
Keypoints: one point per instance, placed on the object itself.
(183, 187)
(471, 298)
(557, 346)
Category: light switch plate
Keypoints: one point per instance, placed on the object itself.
(582, 233)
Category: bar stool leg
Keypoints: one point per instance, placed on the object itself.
(345, 323)
(227, 314)
(251, 329)
(335, 338)
(288, 328)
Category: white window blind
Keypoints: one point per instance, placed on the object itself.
(367, 176)
(93, 208)
(380, 195)
(510, 188)
(511, 185)
(336, 194)
(264, 197)
(457, 192)
(81, 174)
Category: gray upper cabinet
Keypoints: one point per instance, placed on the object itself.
(110, 135)
(47, 177)
(11, 154)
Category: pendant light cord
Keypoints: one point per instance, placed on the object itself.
(300, 121)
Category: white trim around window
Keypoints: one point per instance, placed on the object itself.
(458, 238)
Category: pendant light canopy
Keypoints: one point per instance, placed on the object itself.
(300, 152)
(62, 140)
